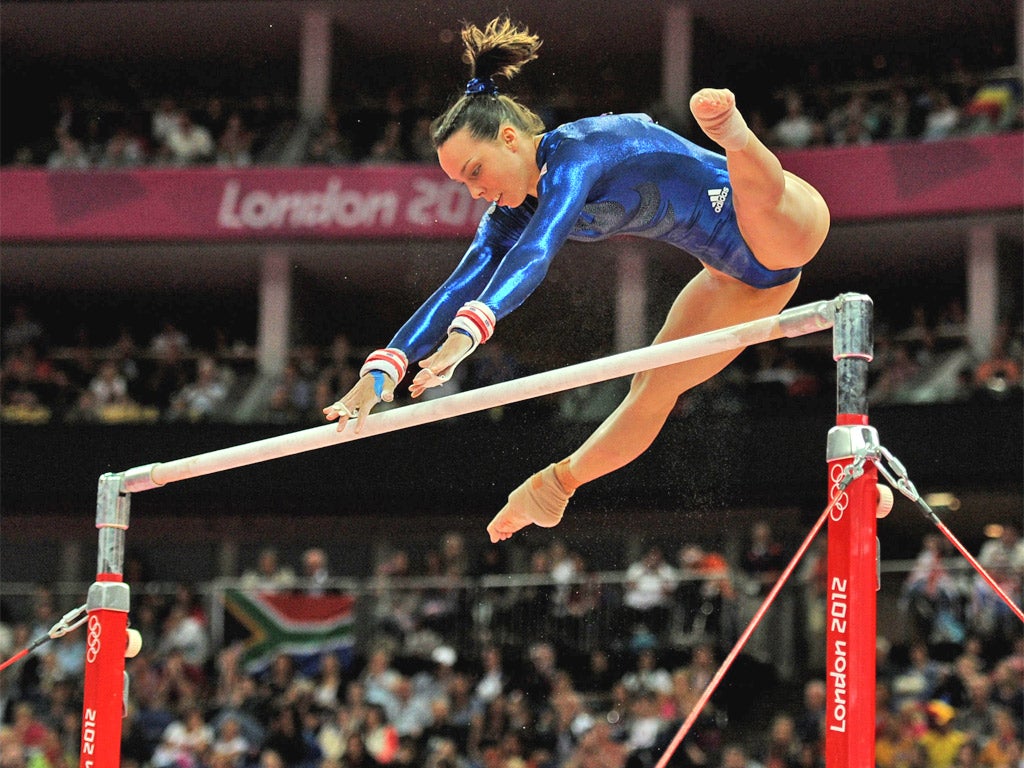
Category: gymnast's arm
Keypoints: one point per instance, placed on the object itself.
(385, 368)
(562, 194)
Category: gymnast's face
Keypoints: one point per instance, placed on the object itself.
(502, 170)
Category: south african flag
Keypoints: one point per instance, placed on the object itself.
(294, 623)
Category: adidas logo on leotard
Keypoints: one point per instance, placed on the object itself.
(718, 198)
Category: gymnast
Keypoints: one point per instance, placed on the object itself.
(751, 224)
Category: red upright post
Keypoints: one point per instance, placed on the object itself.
(107, 633)
(852, 549)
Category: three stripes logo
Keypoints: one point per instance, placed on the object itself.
(718, 198)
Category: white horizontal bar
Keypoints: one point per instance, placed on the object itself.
(797, 321)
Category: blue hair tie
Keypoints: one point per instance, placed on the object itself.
(476, 86)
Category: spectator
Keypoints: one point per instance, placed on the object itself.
(956, 679)
(381, 738)
(22, 330)
(645, 725)
(201, 399)
(851, 124)
(184, 633)
(916, 681)
(234, 143)
(584, 599)
(396, 608)
(538, 680)
(930, 593)
(230, 744)
(895, 743)
(421, 146)
(291, 400)
(188, 143)
(30, 379)
(993, 106)
(328, 143)
(764, 558)
(648, 676)
(493, 678)
(941, 740)
(169, 338)
(164, 120)
(334, 733)
(599, 749)
(378, 678)
(999, 373)
(976, 716)
(68, 156)
(650, 582)
(796, 128)
(284, 737)
(1003, 559)
(341, 372)
(214, 115)
(571, 721)
(1003, 748)
(810, 720)
(94, 141)
(185, 743)
(899, 370)
(407, 711)
(387, 148)
(782, 749)
(942, 118)
(109, 387)
(598, 677)
(314, 575)
(269, 575)
(356, 754)
(736, 756)
(167, 377)
(701, 668)
(896, 116)
(1008, 684)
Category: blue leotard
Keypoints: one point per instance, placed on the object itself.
(600, 177)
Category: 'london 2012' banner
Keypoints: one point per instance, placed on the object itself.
(880, 181)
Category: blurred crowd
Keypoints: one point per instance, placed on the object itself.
(187, 130)
(567, 669)
(537, 692)
(171, 378)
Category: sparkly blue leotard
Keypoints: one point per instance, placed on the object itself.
(600, 177)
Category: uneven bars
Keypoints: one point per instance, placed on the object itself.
(793, 322)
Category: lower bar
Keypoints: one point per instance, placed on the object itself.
(798, 321)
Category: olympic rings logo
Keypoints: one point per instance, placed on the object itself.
(841, 498)
(95, 629)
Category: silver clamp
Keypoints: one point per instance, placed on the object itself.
(71, 620)
(896, 474)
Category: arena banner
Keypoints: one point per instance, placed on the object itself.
(893, 180)
(916, 178)
(213, 204)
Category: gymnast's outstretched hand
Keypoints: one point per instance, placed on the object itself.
(372, 388)
(439, 367)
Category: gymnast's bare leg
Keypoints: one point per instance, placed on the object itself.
(784, 221)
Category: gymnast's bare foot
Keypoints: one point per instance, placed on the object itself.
(716, 114)
(541, 500)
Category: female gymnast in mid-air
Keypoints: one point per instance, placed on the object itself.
(751, 224)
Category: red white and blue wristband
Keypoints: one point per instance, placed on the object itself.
(391, 361)
(476, 320)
